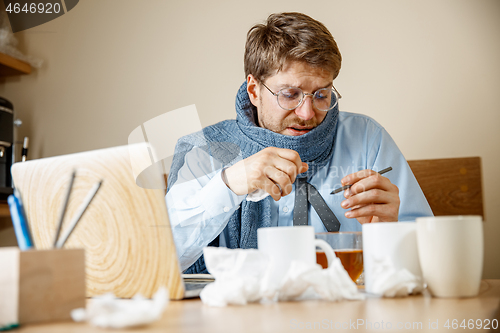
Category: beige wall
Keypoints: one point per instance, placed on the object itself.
(428, 71)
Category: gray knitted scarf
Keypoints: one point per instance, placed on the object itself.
(225, 140)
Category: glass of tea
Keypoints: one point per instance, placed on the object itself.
(348, 247)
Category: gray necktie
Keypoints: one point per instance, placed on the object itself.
(304, 193)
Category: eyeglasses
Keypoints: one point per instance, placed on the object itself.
(290, 98)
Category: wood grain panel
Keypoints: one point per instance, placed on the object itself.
(452, 186)
(125, 232)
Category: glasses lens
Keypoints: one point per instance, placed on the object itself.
(289, 98)
(323, 99)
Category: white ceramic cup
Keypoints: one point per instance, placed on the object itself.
(451, 254)
(394, 240)
(284, 244)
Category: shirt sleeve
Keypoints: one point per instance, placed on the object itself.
(199, 205)
(385, 153)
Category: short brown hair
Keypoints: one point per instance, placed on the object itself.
(289, 37)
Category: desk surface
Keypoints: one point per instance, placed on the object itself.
(416, 312)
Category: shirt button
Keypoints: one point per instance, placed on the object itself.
(285, 209)
(226, 209)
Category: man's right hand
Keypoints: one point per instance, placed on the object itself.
(266, 170)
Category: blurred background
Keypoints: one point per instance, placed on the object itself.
(428, 71)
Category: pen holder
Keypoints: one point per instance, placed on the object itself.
(38, 286)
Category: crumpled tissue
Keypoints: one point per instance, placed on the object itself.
(245, 275)
(257, 195)
(107, 311)
(391, 282)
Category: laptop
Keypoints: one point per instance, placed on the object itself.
(126, 234)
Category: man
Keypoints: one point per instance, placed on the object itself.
(239, 175)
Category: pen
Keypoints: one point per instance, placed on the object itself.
(79, 214)
(19, 221)
(343, 188)
(24, 152)
(64, 208)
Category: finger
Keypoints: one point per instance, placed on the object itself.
(292, 156)
(365, 211)
(373, 196)
(285, 166)
(356, 207)
(357, 176)
(280, 178)
(374, 181)
(271, 188)
(384, 212)
(305, 167)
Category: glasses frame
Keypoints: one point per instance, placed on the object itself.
(304, 95)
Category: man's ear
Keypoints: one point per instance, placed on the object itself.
(253, 89)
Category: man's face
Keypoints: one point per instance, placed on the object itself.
(300, 120)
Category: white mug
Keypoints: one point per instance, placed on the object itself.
(451, 254)
(284, 244)
(396, 241)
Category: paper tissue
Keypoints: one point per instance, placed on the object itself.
(390, 259)
(244, 276)
(391, 282)
(107, 311)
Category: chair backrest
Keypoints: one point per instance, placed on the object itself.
(452, 186)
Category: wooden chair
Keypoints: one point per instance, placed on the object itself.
(452, 186)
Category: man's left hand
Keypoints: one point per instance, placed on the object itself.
(371, 198)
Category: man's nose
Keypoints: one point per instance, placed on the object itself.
(306, 110)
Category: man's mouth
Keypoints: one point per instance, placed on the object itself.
(299, 130)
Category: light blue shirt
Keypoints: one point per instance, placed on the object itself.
(200, 204)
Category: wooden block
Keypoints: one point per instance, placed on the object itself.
(37, 286)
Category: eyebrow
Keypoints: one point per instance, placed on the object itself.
(281, 86)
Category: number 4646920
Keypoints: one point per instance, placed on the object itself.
(32, 8)
(485, 324)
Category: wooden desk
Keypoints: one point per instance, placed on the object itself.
(193, 316)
